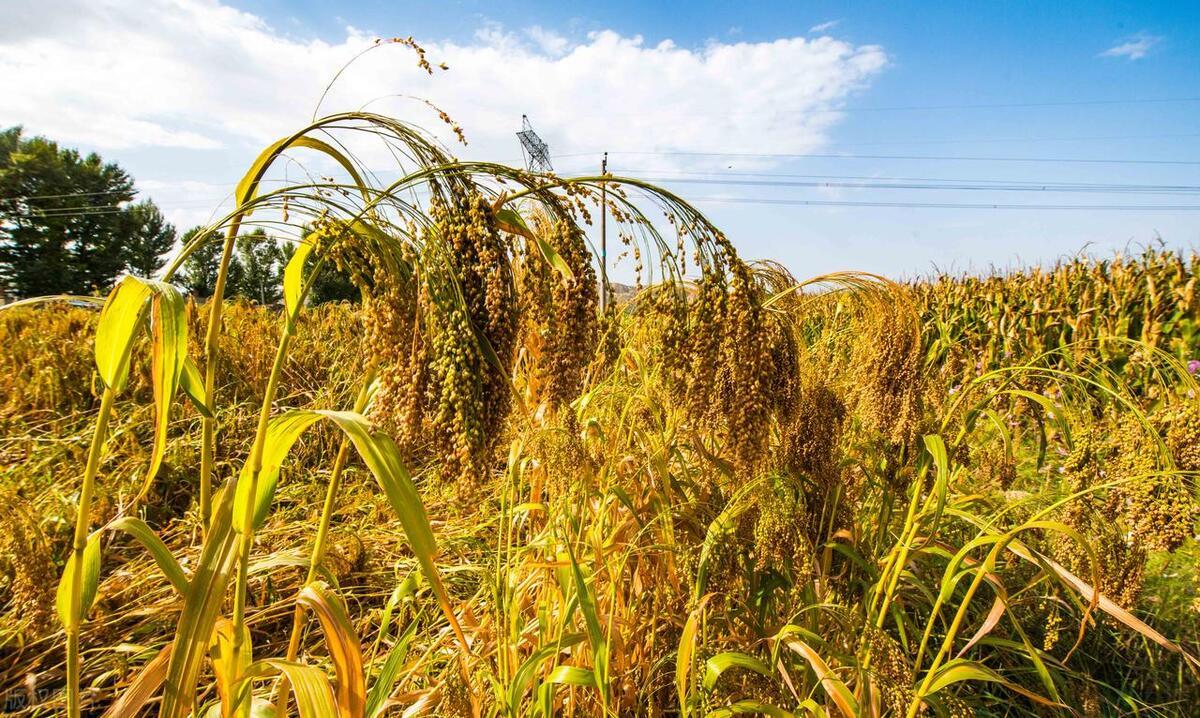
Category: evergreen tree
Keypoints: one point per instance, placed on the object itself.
(262, 263)
(333, 286)
(62, 218)
(330, 285)
(198, 274)
(148, 239)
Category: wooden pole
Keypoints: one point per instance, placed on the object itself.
(603, 237)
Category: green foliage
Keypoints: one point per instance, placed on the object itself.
(255, 268)
(63, 218)
(198, 275)
(332, 285)
(261, 260)
(147, 239)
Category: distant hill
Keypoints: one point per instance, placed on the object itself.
(622, 292)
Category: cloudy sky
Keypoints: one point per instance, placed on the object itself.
(890, 137)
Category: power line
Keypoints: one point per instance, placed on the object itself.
(86, 210)
(938, 158)
(981, 140)
(51, 214)
(66, 195)
(877, 178)
(950, 205)
(923, 186)
(821, 107)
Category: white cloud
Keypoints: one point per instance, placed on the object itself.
(824, 27)
(198, 75)
(1133, 48)
(549, 41)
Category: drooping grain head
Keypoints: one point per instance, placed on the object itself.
(559, 325)
(27, 573)
(1183, 435)
(886, 363)
(810, 433)
(781, 531)
(1159, 509)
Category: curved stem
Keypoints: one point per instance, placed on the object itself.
(960, 616)
(212, 341)
(255, 462)
(82, 520)
(319, 544)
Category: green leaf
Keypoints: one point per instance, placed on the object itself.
(572, 676)
(229, 667)
(91, 581)
(834, 687)
(526, 672)
(162, 555)
(119, 321)
(1085, 590)
(282, 434)
(259, 708)
(390, 673)
(586, 603)
(721, 528)
(591, 617)
(511, 221)
(718, 664)
(685, 654)
(247, 188)
(293, 276)
(97, 302)
(193, 385)
(311, 688)
(959, 670)
(202, 605)
(404, 590)
(750, 707)
(168, 325)
(382, 457)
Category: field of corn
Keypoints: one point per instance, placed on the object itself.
(477, 494)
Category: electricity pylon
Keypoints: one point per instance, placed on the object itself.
(533, 149)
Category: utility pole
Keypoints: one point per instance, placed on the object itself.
(603, 236)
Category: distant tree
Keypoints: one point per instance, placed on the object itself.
(62, 217)
(255, 271)
(331, 285)
(198, 273)
(262, 262)
(147, 240)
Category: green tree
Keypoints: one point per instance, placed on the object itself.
(255, 271)
(330, 285)
(333, 286)
(198, 273)
(262, 261)
(62, 217)
(148, 238)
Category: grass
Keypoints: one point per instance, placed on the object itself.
(474, 494)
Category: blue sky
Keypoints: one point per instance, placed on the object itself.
(996, 80)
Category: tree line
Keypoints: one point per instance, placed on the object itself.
(69, 225)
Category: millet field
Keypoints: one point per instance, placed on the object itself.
(478, 493)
